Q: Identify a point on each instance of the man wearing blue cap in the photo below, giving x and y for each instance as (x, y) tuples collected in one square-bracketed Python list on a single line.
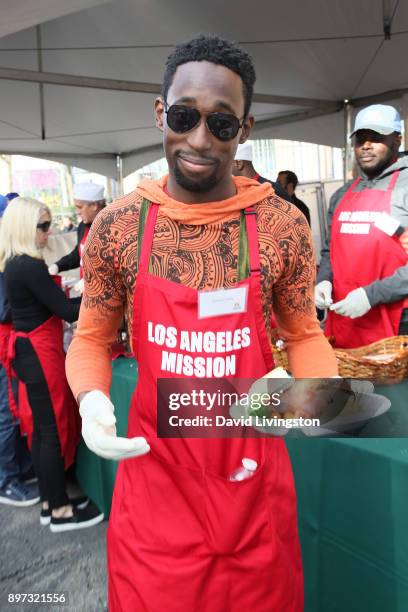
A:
[(363, 276)]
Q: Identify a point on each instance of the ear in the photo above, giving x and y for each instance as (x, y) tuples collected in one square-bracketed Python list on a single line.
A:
[(397, 142), (246, 128), (239, 164), (159, 113)]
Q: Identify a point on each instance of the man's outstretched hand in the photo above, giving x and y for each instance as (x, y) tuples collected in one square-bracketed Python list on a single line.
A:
[(99, 430)]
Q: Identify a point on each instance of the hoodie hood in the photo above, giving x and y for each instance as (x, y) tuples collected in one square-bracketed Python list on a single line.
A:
[(400, 164), (249, 192)]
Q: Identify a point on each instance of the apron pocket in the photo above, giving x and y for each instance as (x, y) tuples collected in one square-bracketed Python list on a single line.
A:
[(236, 515), (163, 504)]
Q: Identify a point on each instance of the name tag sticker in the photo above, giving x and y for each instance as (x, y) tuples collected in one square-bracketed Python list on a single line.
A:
[(387, 224), (222, 302)]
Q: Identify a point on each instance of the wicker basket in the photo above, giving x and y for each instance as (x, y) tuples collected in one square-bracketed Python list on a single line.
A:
[(385, 361)]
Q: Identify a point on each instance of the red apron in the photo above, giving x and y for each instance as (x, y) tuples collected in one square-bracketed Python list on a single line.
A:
[(81, 247), (22, 412), (46, 340), (5, 330), (181, 536), (360, 254)]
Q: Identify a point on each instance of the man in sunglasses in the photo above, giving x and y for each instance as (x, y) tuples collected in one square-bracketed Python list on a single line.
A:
[(363, 276), (197, 259), (89, 201)]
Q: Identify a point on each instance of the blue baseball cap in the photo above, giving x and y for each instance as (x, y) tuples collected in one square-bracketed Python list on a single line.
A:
[(379, 118), (3, 204)]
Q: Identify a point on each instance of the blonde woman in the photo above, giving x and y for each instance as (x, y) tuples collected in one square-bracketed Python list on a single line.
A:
[(16, 485), (38, 307)]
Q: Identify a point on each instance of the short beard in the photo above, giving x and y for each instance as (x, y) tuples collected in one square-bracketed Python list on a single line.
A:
[(383, 163), (196, 187), (380, 166)]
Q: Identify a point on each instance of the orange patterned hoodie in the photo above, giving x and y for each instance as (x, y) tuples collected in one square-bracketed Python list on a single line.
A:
[(197, 245)]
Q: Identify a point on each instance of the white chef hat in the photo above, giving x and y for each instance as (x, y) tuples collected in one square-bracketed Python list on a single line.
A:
[(88, 192), (244, 151)]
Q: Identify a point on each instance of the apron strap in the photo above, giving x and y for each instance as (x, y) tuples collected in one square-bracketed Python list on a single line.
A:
[(144, 209), (250, 218), (147, 221), (393, 180), (353, 184), (243, 258), (11, 349)]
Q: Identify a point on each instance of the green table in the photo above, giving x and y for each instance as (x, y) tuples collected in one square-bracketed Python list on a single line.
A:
[(95, 475), (352, 504)]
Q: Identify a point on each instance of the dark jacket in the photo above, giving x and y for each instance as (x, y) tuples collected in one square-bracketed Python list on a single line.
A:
[(277, 187), (72, 260), (5, 312), (302, 207)]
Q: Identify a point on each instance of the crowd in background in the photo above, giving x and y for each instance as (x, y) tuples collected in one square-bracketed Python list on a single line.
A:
[(39, 426), (39, 420)]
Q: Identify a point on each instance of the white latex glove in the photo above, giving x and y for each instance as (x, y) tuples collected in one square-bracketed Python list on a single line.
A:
[(323, 294), (79, 286), (99, 430), (53, 269), (354, 305)]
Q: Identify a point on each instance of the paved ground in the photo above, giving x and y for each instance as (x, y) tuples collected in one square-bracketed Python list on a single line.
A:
[(34, 560)]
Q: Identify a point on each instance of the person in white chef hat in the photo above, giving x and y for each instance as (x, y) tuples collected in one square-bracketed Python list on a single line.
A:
[(243, 166), (89, 199)]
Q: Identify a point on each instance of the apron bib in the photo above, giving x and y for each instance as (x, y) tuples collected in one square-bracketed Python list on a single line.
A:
[(182, 537), (360, 254)]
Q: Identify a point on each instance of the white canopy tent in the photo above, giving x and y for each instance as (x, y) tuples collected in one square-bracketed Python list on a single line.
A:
[(78, 78)]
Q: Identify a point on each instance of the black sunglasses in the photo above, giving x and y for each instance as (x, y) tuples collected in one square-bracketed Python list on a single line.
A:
[(182, 119), (44, 226)]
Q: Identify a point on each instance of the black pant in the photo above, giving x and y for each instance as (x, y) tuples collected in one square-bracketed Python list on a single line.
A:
[(46, 449)]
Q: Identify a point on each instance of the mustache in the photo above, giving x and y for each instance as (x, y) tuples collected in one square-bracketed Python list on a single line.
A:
[(194, 156)]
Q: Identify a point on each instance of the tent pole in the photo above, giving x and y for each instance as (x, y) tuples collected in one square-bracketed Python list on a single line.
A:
[(41, 85), (119, 166), (404, 118), (347, 146)]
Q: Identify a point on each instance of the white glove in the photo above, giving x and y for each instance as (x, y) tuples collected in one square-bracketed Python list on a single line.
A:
[(354, 305), (99, 430), (53, 269), (79, 286), (323, 294)]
